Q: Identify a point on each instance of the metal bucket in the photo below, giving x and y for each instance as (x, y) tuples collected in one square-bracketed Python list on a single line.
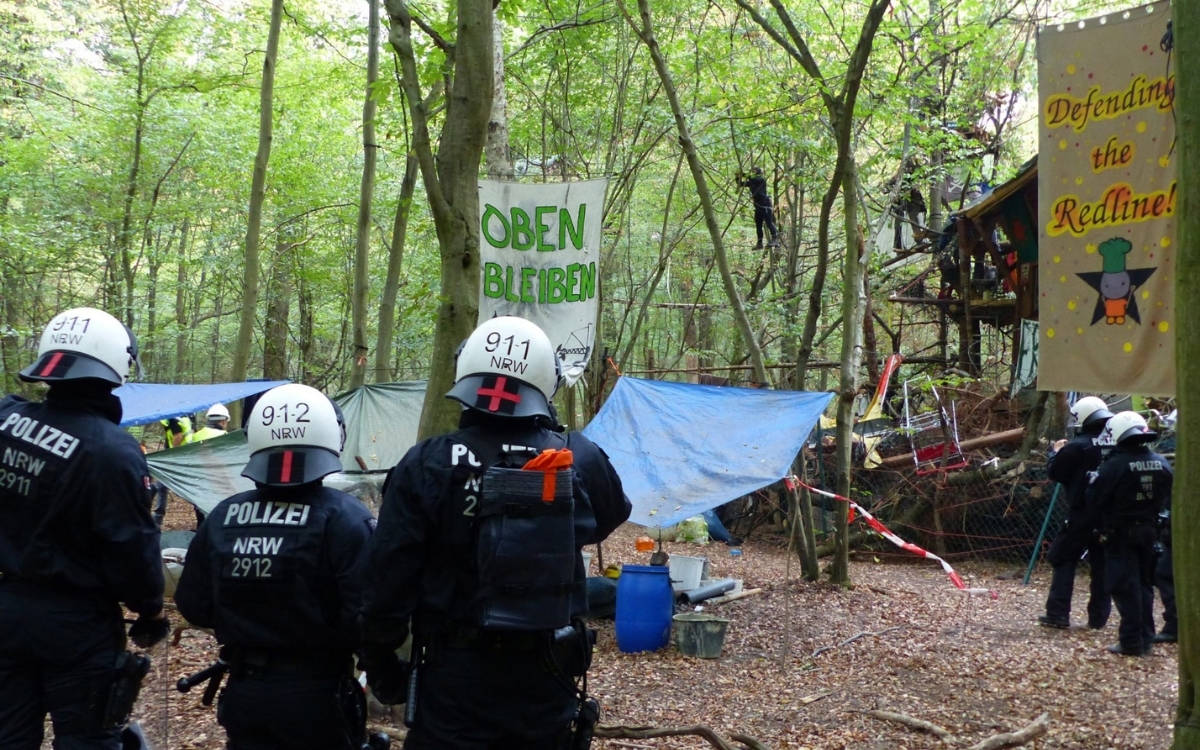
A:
[(700, 634)]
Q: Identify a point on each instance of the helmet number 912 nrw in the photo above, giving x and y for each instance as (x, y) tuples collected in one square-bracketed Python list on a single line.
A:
[(297, 412), (494, 340)]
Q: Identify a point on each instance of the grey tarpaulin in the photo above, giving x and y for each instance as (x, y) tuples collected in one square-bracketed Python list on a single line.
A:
[(381, 424)]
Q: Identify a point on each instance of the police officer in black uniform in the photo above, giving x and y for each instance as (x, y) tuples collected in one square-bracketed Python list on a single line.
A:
[(1069, 464), (487, 565), (1129, 490), (1164, 581), (277, 573), (76, 540)]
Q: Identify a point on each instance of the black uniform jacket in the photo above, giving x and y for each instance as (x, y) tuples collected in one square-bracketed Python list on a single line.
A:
[(758, 191), (1132, 485), (1070, 466), (75, 502), (279, 569), (422, 558)]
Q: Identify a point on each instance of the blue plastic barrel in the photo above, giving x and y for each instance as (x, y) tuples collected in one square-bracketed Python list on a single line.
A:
[(644, 608)]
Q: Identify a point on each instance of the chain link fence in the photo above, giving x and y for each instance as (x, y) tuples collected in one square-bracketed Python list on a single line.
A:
[(962, 514), (997, 509)]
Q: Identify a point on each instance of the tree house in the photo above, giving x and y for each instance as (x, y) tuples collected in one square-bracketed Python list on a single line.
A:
[(982, 279)]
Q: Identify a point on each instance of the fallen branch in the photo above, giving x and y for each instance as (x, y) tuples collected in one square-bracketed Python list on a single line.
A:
[(749, 742), (1014, 435), (855, 637), (1037, 728), (734, 597), (909, 721), (644, 733)]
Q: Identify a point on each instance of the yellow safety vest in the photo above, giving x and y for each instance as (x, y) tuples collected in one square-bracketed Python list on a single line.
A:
[(204, 433)]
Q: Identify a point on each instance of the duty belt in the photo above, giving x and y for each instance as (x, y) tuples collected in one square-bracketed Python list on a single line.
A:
[(482, 639), (254, 662)]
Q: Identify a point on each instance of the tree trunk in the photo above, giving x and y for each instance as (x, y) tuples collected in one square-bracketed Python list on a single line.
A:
[(362, 244), (258, 185), (496, 153), (807, 545), (451, 185), (181, 310), (1185, 515), (279, 296), (391, 284), (853, 305), (10, 339), (646, 33), (793, 274), (149, 342), (840, 109), (870, 338), (304, 308)]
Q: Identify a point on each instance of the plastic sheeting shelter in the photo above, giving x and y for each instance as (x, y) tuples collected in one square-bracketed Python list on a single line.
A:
[(143, 403), (682, 449), (381, 425)]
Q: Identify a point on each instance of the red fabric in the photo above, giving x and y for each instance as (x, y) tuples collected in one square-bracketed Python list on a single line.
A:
[(285, 468)]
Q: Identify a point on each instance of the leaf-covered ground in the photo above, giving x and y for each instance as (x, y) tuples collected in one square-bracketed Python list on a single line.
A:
[(803, 663)]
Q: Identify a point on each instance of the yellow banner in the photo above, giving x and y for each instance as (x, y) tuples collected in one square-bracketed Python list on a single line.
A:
[(1106, 204)]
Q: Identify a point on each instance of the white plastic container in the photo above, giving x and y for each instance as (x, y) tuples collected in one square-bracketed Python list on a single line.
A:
[(685, 572)]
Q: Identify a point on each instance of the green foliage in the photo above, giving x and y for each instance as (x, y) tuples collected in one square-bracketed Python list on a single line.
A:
[(583, 102)]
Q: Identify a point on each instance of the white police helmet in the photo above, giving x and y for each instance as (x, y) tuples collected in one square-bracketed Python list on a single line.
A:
[(216, 413), (507, 367), (83, 343), (1090, 413), (293, 436), (1127, 428)]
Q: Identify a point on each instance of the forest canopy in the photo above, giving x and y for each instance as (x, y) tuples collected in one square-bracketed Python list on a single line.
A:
[(130, 129)]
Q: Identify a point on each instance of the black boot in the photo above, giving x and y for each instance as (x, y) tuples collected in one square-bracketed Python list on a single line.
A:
[(1117, 648), (1061, 623)]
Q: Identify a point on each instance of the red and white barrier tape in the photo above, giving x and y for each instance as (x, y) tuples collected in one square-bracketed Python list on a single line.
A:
[(793, 481)]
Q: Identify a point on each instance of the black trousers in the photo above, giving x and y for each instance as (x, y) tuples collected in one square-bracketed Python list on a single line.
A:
[(1130, 576), (1164, 581), (490, 699), (1064, 554), (58, 653), (269, 710), (159, 491), (765, 216)]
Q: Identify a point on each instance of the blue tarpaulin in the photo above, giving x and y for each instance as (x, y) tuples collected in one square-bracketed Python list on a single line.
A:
[(143, 403), (681, 449)]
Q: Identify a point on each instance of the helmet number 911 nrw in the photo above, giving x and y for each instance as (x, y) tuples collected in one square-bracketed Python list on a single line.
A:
[(494, 340), (72, 321), (297, 412)]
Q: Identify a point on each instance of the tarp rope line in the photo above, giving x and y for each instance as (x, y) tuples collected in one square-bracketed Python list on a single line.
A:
[(793, 481)]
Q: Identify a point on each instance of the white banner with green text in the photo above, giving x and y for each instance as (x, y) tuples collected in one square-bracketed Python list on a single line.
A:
[(539, 256)]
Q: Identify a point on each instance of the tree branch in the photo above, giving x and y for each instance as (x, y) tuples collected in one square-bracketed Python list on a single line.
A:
[(909, 721), (59, 94), (1037, 728), (699, 730)]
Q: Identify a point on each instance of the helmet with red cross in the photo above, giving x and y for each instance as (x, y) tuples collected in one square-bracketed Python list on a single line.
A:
[(506, 367)]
